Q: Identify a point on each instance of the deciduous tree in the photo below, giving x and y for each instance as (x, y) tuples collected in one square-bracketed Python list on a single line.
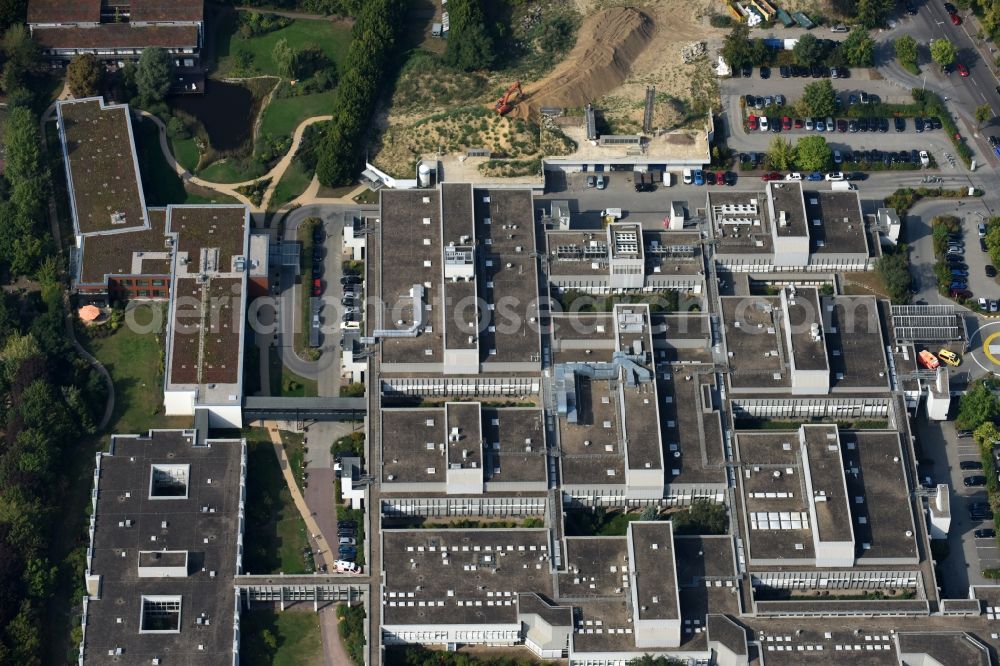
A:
[(943, 52), (470, 42), (813, 154), (906, 49), (780, 154), (153, 75), (977, 406), (83, 75), (808, 51), (859, 48), (818, 98)]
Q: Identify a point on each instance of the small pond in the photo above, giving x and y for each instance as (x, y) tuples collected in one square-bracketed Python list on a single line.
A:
[(225, 109)]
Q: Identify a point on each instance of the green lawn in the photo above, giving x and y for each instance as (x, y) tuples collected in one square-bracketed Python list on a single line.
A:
[(284, 114), (295, 635), (224, 171), (293, 183), (332, 37), (275, 532), (186, 153), (134, 361)]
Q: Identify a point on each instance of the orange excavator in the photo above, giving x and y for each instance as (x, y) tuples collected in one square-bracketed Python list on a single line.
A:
[(505, 103)]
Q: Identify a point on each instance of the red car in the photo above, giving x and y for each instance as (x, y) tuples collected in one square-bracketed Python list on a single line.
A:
[(798, 123), (317, 287), (752, 122), (962, 69), (786, 123), (773, 175), (720, 178), (956, 19)]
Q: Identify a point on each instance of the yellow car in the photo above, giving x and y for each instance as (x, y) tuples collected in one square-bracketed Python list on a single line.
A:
[(949, 357)]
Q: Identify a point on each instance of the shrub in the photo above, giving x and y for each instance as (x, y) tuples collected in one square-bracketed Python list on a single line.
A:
[(720, 21)]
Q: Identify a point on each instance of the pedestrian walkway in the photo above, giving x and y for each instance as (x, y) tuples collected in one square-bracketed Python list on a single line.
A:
[(321, 549)]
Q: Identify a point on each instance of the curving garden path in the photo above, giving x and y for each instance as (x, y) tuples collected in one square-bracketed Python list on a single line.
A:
[(229, 189)]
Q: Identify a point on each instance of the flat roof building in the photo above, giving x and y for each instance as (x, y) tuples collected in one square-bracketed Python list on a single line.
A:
[(786, 228), (199, 257), (116, 30), (165, 544)]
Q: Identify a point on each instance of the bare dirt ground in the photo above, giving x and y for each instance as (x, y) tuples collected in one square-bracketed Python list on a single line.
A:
[(607, 44)]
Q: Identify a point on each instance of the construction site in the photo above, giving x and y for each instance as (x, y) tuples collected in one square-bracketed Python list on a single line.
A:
[(635, 91)]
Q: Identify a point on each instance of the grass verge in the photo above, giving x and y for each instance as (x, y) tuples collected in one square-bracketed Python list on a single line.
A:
[(289, 638), (225, 171), (296, 452), (286, 383), (276, 535)]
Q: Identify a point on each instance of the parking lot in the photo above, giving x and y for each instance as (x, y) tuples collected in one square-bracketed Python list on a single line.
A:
[(741, 140), (942, 454)]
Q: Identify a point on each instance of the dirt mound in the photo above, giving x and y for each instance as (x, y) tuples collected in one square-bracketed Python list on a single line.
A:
[(606, 45)]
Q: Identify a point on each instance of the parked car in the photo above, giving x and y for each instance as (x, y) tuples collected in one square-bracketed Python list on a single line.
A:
[(950, 8), (982, 245), (965, 434), (900, 123), (765, 72), (994, 305), (730, 178), (794, 176), (785, 71), (343, 566), (986, 533), (970, 465), (814, 176), (819, 125), (835, 177), (852, 125), (841, 125), (762, 121), (602, 182), (709, 177), (918, 124), (699, 177), (591, 181), (974, 481), (797, 123), (982, 230), (949, 357), (688, 178), (347, 541), (837, 157), (925, 159), (809, 124), (956, 19), (962, 69), (779, 100), (772, 175), (786, 123), (350, 279), (960, 293), (317, 287), (990, 271)]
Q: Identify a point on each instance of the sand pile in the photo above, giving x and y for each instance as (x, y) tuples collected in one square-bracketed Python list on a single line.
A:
[(606, 45)]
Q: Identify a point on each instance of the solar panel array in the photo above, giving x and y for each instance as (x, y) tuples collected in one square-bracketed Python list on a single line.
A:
[(914, 323)]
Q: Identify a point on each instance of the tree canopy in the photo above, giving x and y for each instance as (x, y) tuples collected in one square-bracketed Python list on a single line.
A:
[(977, 406), (906, 49), (818, 99), (153, 75), (365, 68), (470, 42), (780, 154), (809, 51), (894, 270), (737, 48), (84, 75), (813, 154), (872, 13), (943, 52), (859, 48)]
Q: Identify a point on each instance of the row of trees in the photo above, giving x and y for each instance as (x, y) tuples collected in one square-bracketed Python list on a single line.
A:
[(366, 68), (857, 50), (148, 81)]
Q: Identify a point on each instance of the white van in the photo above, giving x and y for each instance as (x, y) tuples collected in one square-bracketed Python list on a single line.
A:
[(668, 179), (688, 178)]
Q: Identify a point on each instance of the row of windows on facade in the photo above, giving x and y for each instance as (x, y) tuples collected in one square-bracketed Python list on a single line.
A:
[(127, 282)]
